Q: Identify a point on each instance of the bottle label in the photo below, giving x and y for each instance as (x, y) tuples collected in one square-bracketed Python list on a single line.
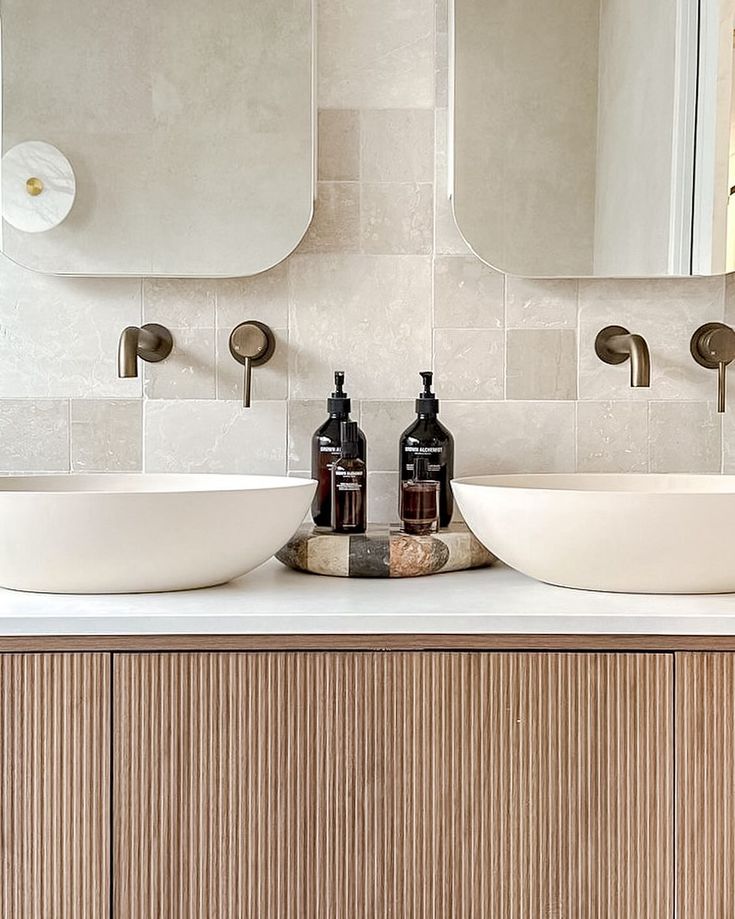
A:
[(328, 448), (430, 451), (348, 480)]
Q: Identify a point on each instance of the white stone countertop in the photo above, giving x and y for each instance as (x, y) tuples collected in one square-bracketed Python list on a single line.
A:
[(274, 600)]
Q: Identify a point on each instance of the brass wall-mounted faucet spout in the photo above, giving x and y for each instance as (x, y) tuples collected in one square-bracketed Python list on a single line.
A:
[(615, 345), (150, 343)]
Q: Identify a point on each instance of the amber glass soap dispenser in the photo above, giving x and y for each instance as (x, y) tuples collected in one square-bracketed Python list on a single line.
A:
[(428, 437), (325, 448), (349, 484)]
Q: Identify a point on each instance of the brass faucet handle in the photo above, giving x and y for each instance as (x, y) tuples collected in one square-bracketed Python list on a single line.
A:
[(713, 347), (252, 344)]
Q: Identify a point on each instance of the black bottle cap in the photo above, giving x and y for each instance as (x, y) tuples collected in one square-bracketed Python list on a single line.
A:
[(349, 437), (420, 468), (427, 403), (339, 402)]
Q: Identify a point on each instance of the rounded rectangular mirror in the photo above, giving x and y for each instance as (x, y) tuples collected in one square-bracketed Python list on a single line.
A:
[(153, 137), (593, 137)]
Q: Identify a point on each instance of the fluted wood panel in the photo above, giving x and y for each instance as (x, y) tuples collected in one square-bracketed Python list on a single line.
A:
[(54, 786), (705, 705), (406, 785)]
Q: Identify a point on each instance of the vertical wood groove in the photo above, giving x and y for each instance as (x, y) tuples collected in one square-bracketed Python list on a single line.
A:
[(408, 785), (54, 786), (705, 696)]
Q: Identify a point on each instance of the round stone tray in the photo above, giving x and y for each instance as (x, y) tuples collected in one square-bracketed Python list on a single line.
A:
[(384, 552)]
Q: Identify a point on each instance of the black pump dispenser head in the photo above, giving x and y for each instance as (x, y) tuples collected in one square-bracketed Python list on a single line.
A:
[(421, 468), (427, 403), (350, 439), (339, 403)]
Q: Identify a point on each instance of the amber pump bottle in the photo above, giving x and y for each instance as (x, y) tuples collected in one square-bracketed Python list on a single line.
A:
[(428, 437), (325, 448), (349, 484)]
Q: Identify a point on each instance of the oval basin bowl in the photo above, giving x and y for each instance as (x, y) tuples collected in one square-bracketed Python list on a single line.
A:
[(624, 533), (138, 533)]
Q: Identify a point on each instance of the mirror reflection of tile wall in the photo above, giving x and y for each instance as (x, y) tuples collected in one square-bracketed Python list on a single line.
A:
[(381, 286)]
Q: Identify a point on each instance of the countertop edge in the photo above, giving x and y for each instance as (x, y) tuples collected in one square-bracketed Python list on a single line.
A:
[(364, 642)]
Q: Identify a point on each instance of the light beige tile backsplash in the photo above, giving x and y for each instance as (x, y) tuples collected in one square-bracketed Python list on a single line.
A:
[(382, 286)]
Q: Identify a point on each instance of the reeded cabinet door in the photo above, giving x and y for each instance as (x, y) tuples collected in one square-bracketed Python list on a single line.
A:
[(54, 786), (705, 743), (404, 785)]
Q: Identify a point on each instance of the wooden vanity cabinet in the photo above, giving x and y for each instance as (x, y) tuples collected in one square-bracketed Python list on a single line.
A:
[(705, 769), (370, 784), (414, 785), (54, 786)]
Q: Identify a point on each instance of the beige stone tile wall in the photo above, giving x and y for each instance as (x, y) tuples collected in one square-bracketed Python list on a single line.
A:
[(382, 287)]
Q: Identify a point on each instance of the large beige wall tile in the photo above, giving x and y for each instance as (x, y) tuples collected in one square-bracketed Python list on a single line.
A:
[(368, 316), (383, 423), (685, 437), (541, 364), (510, 437), (215, 436), (397, 145), (263, 297), (548, 304), (376, 55), (34, 435), (58, 336), (339, 145), (179, 303), (106, 435), (612, 437), (382, 497), (396, 219), (336, 223), (469, 363), (666, 312), (188, 372), (304, 417), (467, 294)]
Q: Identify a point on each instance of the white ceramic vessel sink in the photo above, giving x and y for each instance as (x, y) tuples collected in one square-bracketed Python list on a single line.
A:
[(626, 533), (138, 533)]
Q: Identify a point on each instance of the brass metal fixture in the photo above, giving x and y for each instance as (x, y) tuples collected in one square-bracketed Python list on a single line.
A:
[(34, 186), (252, 344), (615, 345), (713, 347), (151, 342)]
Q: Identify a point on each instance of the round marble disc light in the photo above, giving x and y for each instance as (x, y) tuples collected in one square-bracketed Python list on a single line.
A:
[(38, 186)]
